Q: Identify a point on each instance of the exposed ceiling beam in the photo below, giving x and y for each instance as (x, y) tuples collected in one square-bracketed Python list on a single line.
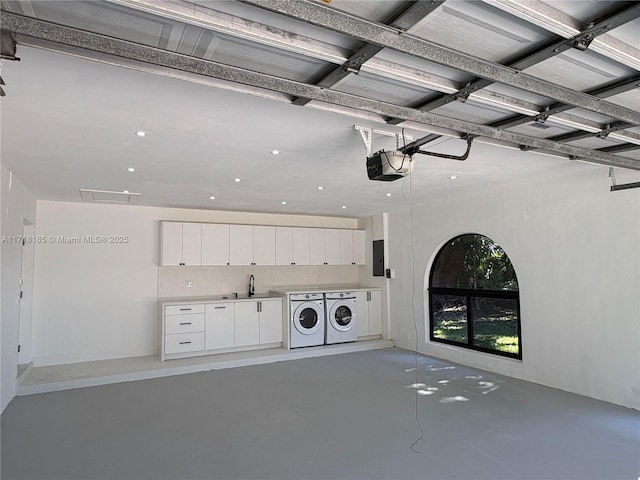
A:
[(402, 20), (625, 147), (179, 10), (615, 88), (393, 38), (540, 54), (39, 29), (603, 133), (209, 19), (553, 20)]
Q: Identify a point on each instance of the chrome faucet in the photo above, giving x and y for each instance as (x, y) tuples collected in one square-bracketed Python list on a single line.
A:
[(252, 288)]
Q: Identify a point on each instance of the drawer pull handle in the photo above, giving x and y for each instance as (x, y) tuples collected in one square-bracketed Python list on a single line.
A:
[(185, 323), (184, 343), (219, 307), (185, 309)]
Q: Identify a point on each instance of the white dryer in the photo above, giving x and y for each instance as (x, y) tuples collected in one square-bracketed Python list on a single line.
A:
[(307, 320), (342, 315)]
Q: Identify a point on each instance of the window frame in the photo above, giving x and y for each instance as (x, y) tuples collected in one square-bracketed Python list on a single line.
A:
[(469, 294)]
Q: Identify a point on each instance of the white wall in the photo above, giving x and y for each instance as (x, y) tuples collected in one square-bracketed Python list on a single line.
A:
[(99, 301), (576, 250), (17, 206)]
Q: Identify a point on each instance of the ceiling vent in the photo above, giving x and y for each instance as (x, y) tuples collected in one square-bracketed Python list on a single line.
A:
[(107, 196)]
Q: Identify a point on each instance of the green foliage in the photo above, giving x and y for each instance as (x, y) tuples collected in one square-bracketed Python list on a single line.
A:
[(474, 261), (495, 325)]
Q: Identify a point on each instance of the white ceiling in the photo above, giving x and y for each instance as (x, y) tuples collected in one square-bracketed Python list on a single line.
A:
[(69, 123)]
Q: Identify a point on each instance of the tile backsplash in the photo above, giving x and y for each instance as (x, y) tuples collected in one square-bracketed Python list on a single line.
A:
[(174, 281)]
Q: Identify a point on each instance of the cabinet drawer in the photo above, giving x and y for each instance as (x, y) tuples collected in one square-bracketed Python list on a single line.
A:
[(183, 309), (183, 342), (191, 322)]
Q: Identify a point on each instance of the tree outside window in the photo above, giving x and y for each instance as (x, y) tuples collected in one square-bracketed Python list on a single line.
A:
[(474, 297)]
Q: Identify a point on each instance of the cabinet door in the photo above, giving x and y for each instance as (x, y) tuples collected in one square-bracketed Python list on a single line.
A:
[(219, 326), (171, 241), (264, 245), (215, 244), (270, 321), (316, 246), (240, 244), (284, 246), (358, 244), (247, 325), (300, 250), (362, 323), (192, 244), (346, 247), (375, 312), (184, 343), (332, 247)]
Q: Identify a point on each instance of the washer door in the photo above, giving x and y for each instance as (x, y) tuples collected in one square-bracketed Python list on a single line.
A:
[(307, 318), (343, 315)]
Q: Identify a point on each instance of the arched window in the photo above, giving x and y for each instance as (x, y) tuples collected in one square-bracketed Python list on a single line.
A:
[(473, 297)]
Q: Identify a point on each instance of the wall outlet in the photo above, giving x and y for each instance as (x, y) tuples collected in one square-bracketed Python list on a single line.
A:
[(188, 284)]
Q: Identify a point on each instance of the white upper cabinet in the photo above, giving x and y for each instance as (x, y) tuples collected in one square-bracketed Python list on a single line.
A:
[(181, 243), (222, 244), (346, 247), (352, 247), (329, 246), (316, 246), (171, 250), (215, 244), (192, 244), (332, 247), (284, 246), (252, 245), (300, 249), (292, 246), (264, 245), (240, 244), (358, 244)]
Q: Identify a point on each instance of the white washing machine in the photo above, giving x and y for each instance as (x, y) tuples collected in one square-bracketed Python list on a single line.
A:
[(307, 320), (342, 315)]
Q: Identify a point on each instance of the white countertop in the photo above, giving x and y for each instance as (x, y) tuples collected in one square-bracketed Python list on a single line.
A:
[(321, 289), (216, 299)]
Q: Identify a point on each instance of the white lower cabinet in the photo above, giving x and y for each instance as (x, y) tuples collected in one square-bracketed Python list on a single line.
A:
[(183, 343), (258, 322), (247, 324), (183, 329), (270, 321), (369, 313), (219, 329), (199, 329)]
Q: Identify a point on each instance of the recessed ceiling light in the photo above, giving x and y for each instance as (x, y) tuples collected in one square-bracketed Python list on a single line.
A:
[(283, 203), (237, 180), (453, 177), (131, 169), (212, 197), (344, 206), (140, 133), (275, 152), (320, 188), (388, 194)]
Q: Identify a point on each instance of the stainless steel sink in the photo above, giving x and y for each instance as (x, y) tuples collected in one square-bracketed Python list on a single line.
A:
[(242, 296)]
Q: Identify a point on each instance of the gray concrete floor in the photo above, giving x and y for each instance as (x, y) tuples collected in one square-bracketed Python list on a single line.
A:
[(348, 416)]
